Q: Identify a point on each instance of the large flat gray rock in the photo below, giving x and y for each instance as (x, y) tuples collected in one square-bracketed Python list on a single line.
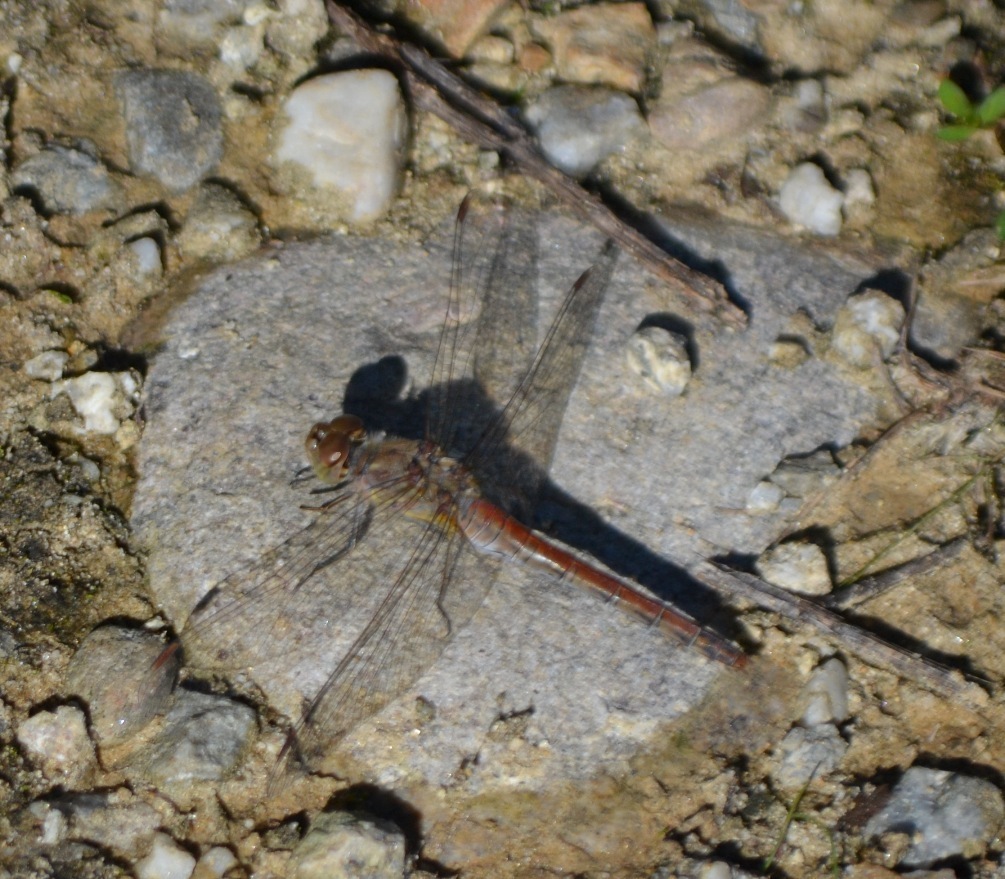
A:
[(265, 348)]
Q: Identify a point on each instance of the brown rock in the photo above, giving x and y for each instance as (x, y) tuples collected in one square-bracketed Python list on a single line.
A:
[(455, 23), (605, 44)]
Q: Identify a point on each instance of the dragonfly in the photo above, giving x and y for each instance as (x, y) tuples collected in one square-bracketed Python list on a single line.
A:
[(409, 534)]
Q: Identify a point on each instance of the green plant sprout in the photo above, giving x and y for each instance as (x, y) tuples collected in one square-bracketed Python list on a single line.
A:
[(969, 118), (793, 814)]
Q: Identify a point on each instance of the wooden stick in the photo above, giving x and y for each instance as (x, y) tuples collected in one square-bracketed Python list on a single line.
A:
[(479, 119)]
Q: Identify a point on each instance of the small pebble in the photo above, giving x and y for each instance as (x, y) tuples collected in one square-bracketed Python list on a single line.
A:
[(712, 114), (53, 822), (167, 860), (866, 325), (340, 144), (765, 497), (609, 44), (804, 475), (214, 863), (148, 255), (825, 695), (114, 672), (715, 870), (100, 398), (202, 739), (456, 25), (68, 181), (184, 26), (218, 227), (173, 130), (788, 353), (293, 28), (808, 754), (578, 127), (58, 743), (242, 46), (116, 820), (810, 111), (797, 566), (807, 199), (47, 366), (859, 193), (340, 844), (661, 358), (946, 815)]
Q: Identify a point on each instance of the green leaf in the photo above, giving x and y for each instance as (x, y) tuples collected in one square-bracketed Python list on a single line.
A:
[(992, 108), (1000, 225), (954, 99), (955, 132)]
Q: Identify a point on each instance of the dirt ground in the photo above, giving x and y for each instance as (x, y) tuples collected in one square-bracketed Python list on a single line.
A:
[(925, 475)]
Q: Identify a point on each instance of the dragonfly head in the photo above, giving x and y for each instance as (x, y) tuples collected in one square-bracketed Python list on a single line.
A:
[(329, 445)]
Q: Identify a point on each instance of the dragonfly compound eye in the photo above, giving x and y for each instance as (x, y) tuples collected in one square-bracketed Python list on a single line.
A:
[(329, 443)]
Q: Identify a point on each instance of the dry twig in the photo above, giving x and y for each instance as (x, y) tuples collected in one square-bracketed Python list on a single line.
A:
[(868, 647), (477, 118)]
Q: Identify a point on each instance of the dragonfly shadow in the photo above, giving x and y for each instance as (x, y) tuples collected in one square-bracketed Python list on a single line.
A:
[(562, 516), (460, 417), (511, 479)]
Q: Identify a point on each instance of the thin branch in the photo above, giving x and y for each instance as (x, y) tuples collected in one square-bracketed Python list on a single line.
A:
[(868, 647), (479, 119), (869, 587)]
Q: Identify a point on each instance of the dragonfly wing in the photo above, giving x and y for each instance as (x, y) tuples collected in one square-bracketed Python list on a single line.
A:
[(493, 274), (236, 624), (436, 593), (530, 422), (506, 338)]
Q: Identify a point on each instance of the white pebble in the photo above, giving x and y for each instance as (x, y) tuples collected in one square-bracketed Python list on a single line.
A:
[(807, 199), (796, 566), (660, 357), (48, 365), (53, 827), (94, 396), (715, 870), (343, 136), (858, 189), (765, 497), (148, 255), (809, 94), (256, 13), (825, 695), (806, 754), (867, 324), (59, 743), (241, 47), (214, 863), (166, 860)]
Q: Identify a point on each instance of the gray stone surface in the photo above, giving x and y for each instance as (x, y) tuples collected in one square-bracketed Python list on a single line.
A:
[(945, 813), (173, 125), (268, 347), (67, 180), (341, 845), (115, 820), (115, 672), (808, 754), (580, 127), (203, 739)]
